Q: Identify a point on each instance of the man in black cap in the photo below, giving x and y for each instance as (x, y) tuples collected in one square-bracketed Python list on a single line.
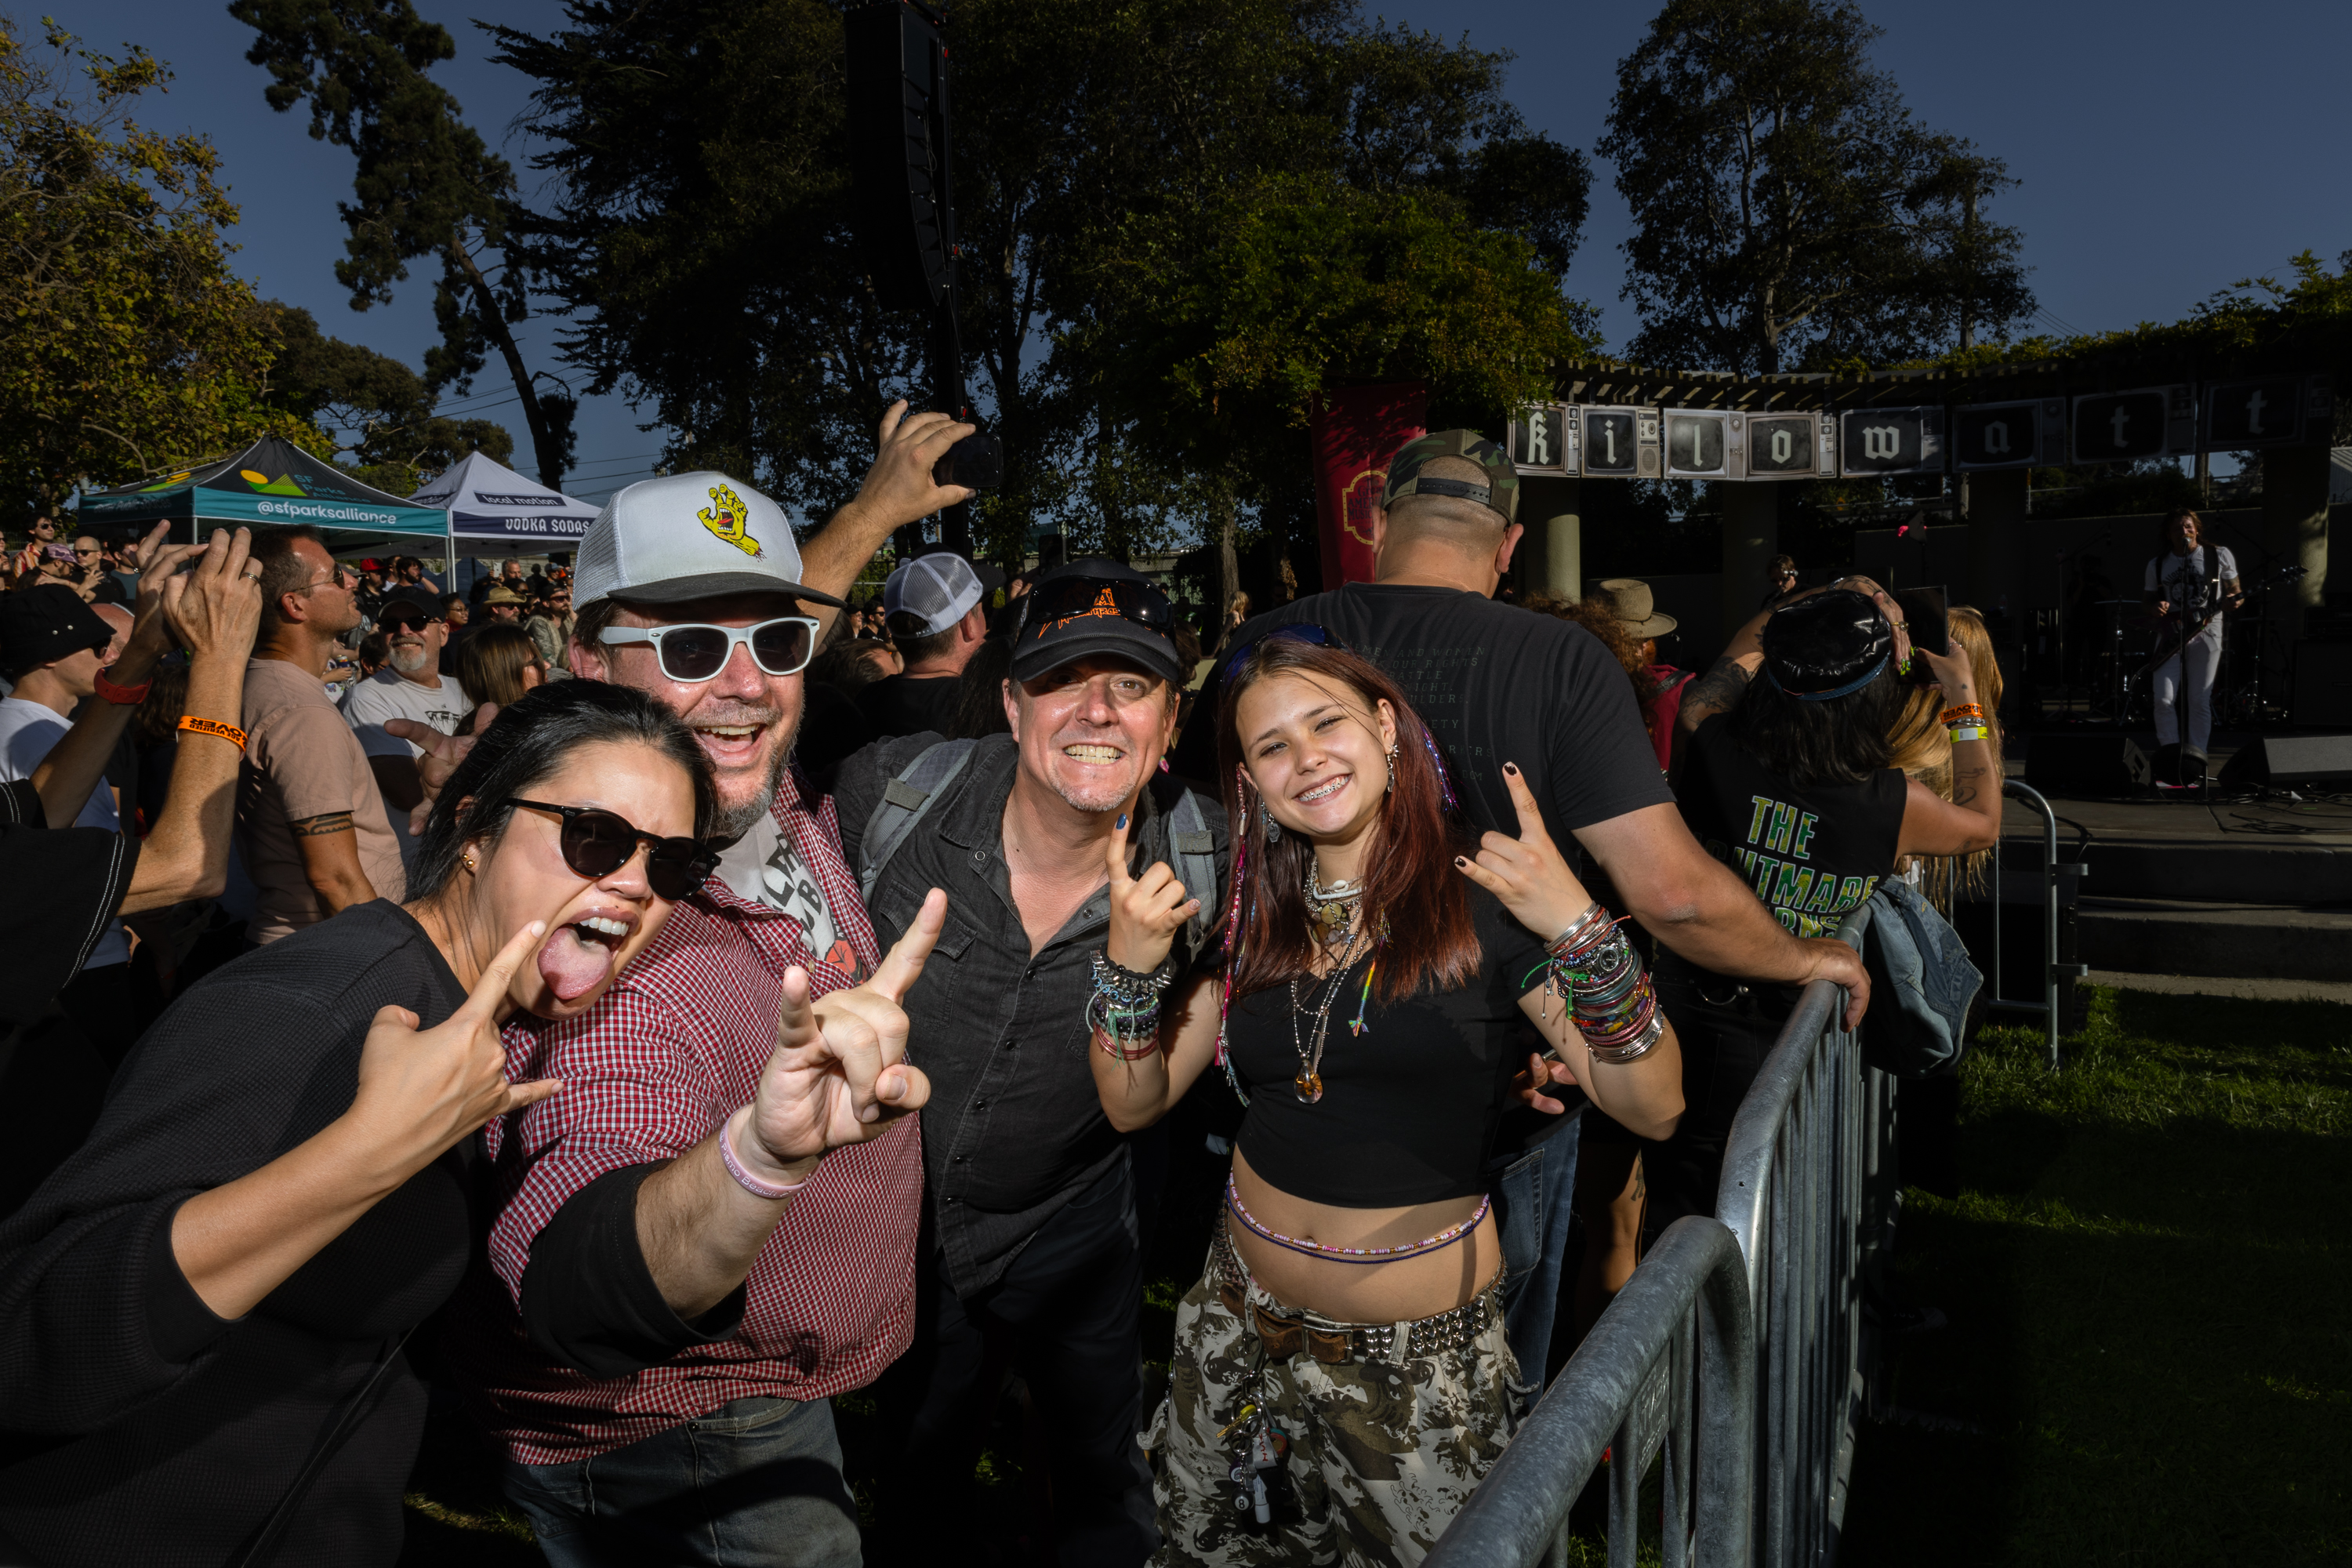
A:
[(1031, 1238)]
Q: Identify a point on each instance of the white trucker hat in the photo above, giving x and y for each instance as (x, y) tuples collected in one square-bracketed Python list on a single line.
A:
[(688, 536), (939, 589)]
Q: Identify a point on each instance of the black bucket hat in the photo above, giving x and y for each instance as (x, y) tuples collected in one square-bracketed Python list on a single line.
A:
[(1826, 646)]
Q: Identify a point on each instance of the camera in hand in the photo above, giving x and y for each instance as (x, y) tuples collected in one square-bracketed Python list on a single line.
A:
[(976, 462)]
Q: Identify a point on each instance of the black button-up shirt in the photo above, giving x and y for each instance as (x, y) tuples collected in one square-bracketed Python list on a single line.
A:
[(1014, 1129)]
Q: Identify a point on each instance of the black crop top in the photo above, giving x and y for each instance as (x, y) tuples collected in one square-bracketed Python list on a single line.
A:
[(1409, 1106)]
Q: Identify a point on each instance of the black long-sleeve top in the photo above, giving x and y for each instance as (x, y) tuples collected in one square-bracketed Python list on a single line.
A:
[(136, 1426)]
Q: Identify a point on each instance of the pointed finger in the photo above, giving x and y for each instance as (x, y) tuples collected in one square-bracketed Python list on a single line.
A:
[(1115, 850), (522, 1096), (903, 964), (795, 1017), (1531, 822), (890, 417), (489, 992)]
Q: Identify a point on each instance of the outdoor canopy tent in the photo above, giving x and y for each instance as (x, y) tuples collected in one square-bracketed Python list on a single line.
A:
[(271, 484), (490, 503)]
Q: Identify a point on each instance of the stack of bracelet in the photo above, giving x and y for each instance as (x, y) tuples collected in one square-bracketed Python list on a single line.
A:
[(1967, 721), (1596, 972), (1124, 1010)]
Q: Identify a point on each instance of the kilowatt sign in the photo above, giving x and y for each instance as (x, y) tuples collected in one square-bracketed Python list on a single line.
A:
[(2125, 427), (1620, 443), (1877, 441), (2274, 411), (2009, 434), (1705, 444), (1543, 440)]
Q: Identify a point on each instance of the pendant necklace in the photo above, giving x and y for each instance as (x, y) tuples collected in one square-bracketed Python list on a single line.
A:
[(1308, 1084)]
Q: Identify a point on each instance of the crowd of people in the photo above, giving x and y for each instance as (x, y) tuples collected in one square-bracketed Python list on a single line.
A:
[(651, 1000)]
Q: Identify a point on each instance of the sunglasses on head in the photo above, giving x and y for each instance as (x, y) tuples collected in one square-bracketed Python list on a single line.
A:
[(692, 652), (1295, 631), (596, 843), (1051, 605)]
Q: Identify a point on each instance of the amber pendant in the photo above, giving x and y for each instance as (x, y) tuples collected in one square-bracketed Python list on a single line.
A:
[(1309, 1085)]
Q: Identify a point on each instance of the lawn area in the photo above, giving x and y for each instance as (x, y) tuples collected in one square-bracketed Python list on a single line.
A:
[(2149, 1276), (2150, 1296)]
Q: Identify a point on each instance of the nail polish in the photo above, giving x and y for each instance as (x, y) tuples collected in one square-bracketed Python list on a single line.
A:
[(1121, 823)]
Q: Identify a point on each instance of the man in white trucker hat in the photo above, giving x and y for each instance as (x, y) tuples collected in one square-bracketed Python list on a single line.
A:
[(936, 606), (683, 1277)]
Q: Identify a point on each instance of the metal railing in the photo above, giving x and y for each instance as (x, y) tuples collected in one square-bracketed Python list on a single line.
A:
[(2054, 974), (1671, 1365), (1808, 1188), (1739, 1346)]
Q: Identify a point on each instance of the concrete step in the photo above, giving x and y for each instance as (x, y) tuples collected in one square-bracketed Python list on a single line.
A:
[(2233, 872), (2245, 939)]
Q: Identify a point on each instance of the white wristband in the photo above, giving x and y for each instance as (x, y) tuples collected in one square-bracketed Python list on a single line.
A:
[(743, 1178)]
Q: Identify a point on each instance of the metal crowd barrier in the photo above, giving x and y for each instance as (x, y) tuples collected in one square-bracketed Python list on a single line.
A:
[(1672, 1365), (2054, 974), (1739, 1346)]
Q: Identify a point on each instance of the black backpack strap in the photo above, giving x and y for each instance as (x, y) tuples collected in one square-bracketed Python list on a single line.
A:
[(264, 1550), (906, 800)]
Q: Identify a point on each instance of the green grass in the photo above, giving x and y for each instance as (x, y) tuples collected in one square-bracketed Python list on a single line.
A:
[(2150, 1300)]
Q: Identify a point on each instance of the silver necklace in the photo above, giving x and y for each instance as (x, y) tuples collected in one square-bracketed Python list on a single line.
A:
[(1308, 1084), (1332, 909)]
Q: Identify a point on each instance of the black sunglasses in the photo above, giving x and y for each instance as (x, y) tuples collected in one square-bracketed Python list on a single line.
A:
[(1297, 631), (1053, 605), (597, 843), (406, 621)]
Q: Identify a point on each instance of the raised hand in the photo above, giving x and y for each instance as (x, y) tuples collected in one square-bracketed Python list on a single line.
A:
[(839, 1073), (442, 755), (1146, 912), (422, 1090), (215, 607), (150, 628), (898, 486), (1527, 873)]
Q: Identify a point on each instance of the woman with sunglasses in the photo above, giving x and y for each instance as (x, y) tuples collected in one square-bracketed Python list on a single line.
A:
[(1342, 1377), (202, 1312)]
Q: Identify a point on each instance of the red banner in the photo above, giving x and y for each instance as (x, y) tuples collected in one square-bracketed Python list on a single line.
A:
[(1355, 436)]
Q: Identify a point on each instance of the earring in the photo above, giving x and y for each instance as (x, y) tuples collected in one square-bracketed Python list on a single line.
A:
[(1273, 828), (1392, 751), (468, 856)]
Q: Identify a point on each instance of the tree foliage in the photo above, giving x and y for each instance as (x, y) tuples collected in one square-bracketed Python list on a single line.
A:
[(710, 270), (126, 343), (1790, 212), (426, 185), (376, 411)]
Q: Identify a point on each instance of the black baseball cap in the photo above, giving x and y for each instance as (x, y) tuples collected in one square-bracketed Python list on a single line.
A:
[(47, 621), (1095, 605)]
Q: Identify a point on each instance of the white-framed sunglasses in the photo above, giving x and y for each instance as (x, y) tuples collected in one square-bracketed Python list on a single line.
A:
[(693, 652)]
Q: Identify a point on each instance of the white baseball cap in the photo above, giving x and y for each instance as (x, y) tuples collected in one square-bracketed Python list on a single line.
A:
[(939, 589), (688, 536)]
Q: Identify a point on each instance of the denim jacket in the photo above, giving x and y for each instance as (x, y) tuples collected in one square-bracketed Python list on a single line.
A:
[(1921, 984)]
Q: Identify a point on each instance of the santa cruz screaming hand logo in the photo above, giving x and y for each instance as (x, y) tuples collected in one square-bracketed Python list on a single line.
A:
[(725, 517)]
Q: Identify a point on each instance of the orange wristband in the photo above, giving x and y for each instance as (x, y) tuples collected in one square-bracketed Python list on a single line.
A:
[(197, 726)]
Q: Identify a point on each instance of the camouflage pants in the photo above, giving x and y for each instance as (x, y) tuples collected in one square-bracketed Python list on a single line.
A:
[(1383, 1451)]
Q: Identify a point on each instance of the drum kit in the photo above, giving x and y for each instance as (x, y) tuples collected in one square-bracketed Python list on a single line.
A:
[(2250, 690)]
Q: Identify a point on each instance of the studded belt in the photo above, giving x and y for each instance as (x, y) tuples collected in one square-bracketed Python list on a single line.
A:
[(1285, 1334)]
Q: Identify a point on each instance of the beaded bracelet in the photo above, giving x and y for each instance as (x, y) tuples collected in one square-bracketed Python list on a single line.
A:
[(1132, 1031)]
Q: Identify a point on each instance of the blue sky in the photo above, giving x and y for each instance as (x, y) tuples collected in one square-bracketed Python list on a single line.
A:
[(2165, 149)]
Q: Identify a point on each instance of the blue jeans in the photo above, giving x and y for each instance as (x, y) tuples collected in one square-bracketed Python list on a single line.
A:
[(1534, 1198), (754, 1484)]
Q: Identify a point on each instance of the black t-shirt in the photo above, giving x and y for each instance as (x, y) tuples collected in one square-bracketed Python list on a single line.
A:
[(1812, 854), (136, 1426), (1410, 1106), (1495, 684), (910, 704)]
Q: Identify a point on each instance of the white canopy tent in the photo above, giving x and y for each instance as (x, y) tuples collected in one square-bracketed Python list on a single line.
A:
[(491, 505)]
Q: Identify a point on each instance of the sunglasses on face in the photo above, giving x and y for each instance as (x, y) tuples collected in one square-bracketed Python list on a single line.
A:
[(1297, 631), (596, 843), (1066, 599), (694, 653), (404, 621)]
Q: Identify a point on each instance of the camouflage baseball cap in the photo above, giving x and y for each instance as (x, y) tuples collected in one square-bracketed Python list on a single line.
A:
[(1500, 493)]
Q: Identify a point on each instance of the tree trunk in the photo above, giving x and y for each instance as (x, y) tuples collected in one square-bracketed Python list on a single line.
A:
[(1229, 563), (494, 325)]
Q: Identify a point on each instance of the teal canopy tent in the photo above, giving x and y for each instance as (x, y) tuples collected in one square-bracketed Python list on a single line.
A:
[(272, 484)]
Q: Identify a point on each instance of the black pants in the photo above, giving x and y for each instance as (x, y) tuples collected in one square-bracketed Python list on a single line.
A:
[(1723, 1047), (1064, 1316)]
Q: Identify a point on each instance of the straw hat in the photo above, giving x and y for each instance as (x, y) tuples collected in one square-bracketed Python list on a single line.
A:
[(1628, 600)]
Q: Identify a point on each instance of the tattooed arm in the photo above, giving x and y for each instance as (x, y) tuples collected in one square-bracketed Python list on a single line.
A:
[(330, 859)]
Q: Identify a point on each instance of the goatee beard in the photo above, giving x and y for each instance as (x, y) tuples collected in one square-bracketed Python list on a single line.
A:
[(731, 822)]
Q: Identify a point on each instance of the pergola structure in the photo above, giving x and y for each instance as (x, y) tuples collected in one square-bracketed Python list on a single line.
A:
[(2296, 471)]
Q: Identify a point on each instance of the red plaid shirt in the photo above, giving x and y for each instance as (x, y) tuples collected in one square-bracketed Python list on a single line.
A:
[(675, 1047)]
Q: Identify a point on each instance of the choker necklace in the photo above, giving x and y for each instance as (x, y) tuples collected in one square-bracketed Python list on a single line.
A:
[(1332, 909)]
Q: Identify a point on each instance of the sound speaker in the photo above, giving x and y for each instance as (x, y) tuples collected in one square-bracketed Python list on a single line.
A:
[(2322, 685), (896, 87), (2322, 760), (2095, 763)]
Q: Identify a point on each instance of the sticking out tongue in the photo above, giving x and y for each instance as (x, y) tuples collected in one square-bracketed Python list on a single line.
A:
[(573, 963)]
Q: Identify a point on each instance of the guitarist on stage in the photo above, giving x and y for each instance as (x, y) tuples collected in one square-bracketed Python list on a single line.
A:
[(2189, 588)]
